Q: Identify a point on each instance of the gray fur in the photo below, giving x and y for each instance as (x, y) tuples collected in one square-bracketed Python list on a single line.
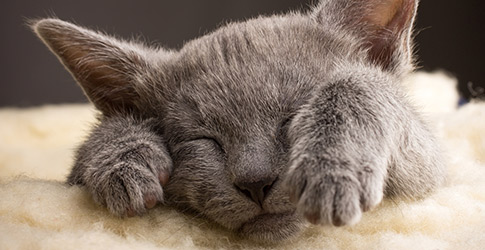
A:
[(260, 124)]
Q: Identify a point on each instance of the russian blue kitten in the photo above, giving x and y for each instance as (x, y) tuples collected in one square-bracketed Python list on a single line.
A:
[(258, 126)]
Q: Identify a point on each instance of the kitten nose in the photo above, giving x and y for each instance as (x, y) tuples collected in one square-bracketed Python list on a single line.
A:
[(256, 191)]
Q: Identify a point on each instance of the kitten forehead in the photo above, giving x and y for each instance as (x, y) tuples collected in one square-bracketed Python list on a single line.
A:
[(253, 72)]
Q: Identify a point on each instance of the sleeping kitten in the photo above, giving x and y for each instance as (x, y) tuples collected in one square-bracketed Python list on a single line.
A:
[(259, 125)]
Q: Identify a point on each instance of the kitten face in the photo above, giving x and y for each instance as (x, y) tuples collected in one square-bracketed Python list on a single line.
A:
[(232, 121), (225, 103)]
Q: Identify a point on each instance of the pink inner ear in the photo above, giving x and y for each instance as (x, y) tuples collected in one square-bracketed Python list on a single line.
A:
[(391, 15), (389, 22), (384, 12)]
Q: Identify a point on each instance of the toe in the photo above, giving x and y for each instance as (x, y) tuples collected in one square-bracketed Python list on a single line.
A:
[(312, 217), (163, 177), (150, 201), (130, 212)]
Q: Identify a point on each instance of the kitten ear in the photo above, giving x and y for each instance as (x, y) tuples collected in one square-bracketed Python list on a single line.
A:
[(384, 25), (107, 69)]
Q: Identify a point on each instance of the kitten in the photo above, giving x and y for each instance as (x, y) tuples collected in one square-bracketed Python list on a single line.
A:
[(258, 126)]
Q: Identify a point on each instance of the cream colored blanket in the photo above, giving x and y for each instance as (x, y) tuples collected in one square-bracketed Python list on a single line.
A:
[(38, 211)]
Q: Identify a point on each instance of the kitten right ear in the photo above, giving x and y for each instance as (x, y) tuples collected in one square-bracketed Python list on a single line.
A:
[(383, 25), (111, 72)]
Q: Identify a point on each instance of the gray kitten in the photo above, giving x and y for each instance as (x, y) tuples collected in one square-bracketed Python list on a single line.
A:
[(258, 125)]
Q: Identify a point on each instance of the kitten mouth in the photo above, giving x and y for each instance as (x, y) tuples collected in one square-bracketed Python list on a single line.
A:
[(272, 227)]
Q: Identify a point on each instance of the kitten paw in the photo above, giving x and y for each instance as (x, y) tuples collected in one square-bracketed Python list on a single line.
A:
[(132, 182), (326, 192), (129, 189)]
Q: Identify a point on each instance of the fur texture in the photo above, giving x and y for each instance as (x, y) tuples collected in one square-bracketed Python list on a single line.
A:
[(37, 150), (258, 125)]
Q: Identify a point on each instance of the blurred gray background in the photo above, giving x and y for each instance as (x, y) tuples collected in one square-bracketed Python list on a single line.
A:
[(451, 37)]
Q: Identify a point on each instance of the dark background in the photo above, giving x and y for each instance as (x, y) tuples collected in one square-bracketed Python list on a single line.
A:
[(450, 37)]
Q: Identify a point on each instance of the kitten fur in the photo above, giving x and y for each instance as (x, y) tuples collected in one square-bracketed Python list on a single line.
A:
[(260, 125)]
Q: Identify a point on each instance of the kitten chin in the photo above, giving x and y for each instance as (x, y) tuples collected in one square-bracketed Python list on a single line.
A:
[(272, 227)]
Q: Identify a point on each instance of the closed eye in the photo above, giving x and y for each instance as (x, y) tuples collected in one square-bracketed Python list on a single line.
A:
[(282, 133), (286, 122), (212, 140)]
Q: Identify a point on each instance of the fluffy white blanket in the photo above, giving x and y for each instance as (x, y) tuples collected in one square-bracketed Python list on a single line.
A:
[(38, 211)]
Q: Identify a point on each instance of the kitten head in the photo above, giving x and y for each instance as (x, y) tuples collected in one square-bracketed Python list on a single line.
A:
[(225, 101)]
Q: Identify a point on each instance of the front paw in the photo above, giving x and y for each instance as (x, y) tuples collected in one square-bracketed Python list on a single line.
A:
[(333, 191), (130, 182), (129, 189)]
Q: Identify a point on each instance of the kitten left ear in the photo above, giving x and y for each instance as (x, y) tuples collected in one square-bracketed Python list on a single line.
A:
[(384, 25), (111, 72)]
